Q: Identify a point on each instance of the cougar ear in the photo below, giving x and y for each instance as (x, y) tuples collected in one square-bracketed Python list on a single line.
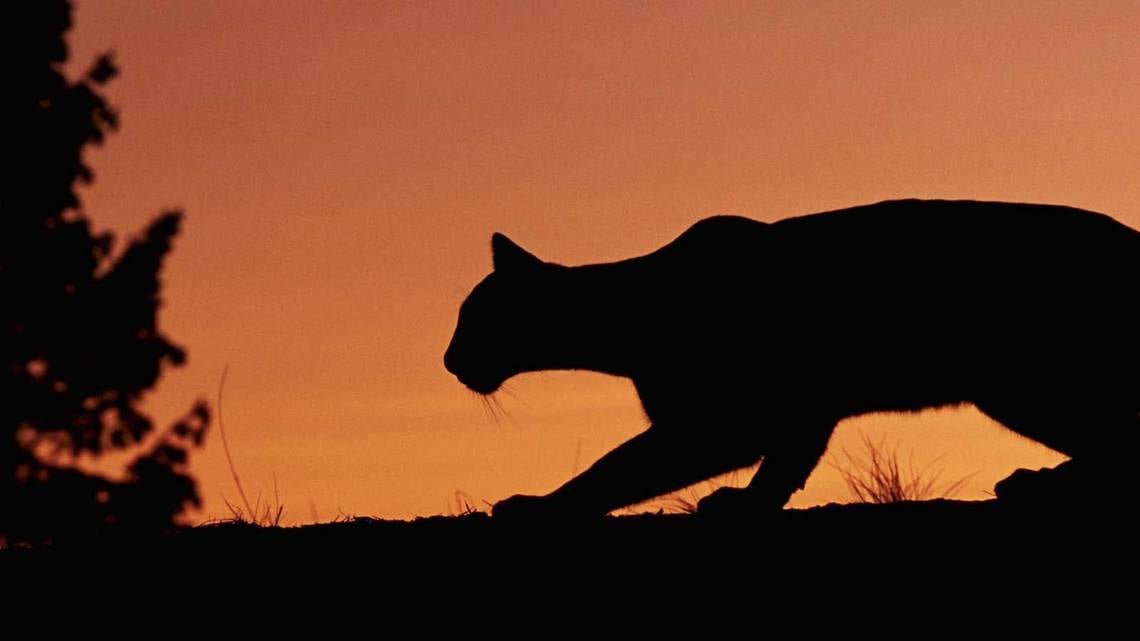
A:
[(507, 256)]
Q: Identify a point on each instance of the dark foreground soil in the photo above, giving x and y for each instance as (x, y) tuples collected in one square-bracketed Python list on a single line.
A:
[(920, 570), (987, 538)]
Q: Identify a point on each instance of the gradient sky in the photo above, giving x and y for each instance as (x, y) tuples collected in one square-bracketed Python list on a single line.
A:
[(343, 165)]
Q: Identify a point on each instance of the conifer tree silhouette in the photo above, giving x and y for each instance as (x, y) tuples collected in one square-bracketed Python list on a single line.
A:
[(79, 342)]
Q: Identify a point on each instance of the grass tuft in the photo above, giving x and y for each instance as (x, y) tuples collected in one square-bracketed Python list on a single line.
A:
[(878, 476)]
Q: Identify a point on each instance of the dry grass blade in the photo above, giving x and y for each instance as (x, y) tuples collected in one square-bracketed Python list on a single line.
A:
[(255, 513), (226, 448), (464, 505)]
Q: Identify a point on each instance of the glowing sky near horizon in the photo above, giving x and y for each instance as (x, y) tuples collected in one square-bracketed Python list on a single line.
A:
[(343, 165)]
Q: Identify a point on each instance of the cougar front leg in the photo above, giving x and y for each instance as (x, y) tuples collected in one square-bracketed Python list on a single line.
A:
[(660, 460), (785, 470)]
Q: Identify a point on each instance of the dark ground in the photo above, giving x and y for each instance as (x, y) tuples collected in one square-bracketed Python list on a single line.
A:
[(903, 569), (928, 536)]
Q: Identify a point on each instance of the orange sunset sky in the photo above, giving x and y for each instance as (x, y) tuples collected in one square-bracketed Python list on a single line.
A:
[(343, 165)]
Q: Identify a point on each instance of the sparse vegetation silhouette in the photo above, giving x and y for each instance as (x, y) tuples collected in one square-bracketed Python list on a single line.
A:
[(879, 476)]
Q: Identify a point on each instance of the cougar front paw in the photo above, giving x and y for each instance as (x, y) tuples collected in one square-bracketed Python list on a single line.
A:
[(733, 501), (522, 507), (724, 501), (1065, 483)]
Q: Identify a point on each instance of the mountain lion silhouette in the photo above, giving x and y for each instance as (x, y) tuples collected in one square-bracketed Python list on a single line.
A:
[(749, 341)]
